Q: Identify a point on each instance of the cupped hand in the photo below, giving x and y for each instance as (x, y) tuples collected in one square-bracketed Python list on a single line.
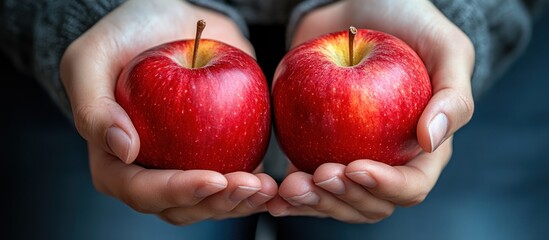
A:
[(89, 70), (366, 190)]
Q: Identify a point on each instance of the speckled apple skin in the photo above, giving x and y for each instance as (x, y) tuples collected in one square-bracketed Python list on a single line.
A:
[(214, 117), (328, 111)]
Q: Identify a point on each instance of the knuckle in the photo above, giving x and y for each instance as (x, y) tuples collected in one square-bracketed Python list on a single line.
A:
[(463, 105), (468, 104), (84, 119), (89, 117)]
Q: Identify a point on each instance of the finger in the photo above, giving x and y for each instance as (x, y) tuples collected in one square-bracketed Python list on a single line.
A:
[(150, 190), (269, 189), (240, 186), (278, 207), (283, 205), (331, 177), (447, 111), (405, 185), (299, 190), (256, 202)]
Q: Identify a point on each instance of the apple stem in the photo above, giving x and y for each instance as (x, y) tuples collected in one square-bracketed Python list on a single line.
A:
[(352, 33), (200, 25)]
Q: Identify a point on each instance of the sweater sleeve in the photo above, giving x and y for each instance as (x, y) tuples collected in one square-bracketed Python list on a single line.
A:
[(499, 30), (35, 34)]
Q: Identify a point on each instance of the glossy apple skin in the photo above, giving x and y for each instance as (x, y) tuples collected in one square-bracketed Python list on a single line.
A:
[(214, 117), (325, 111)]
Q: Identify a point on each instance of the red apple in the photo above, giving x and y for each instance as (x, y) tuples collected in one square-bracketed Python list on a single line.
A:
[(336, 99), (213, 116)]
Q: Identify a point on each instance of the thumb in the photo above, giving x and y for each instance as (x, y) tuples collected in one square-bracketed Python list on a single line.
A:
[(452, 105), (447, 111), (103, 122), (90, 85)]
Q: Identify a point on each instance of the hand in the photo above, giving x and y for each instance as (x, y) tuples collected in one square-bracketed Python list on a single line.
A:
[(367, 191), (89, 71), (364, 191)]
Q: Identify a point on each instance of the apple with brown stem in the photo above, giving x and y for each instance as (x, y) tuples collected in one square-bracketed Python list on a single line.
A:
[(197, 104), (349, 95)]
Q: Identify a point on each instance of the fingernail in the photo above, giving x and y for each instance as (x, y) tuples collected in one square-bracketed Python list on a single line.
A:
[(333, 185), (309, 198), (119, 143), (363, 178), (208, 189), (258, 198), (437, 130), (242, 192)]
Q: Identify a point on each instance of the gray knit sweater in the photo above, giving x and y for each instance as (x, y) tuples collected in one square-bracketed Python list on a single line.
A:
[(35, 33)]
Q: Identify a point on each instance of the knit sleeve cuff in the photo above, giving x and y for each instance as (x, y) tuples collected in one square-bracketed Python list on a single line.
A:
[(227, 11), (57, 26), (297, 14)]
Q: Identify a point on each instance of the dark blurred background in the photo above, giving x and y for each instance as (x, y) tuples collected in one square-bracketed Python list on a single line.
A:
[(495, 187)]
